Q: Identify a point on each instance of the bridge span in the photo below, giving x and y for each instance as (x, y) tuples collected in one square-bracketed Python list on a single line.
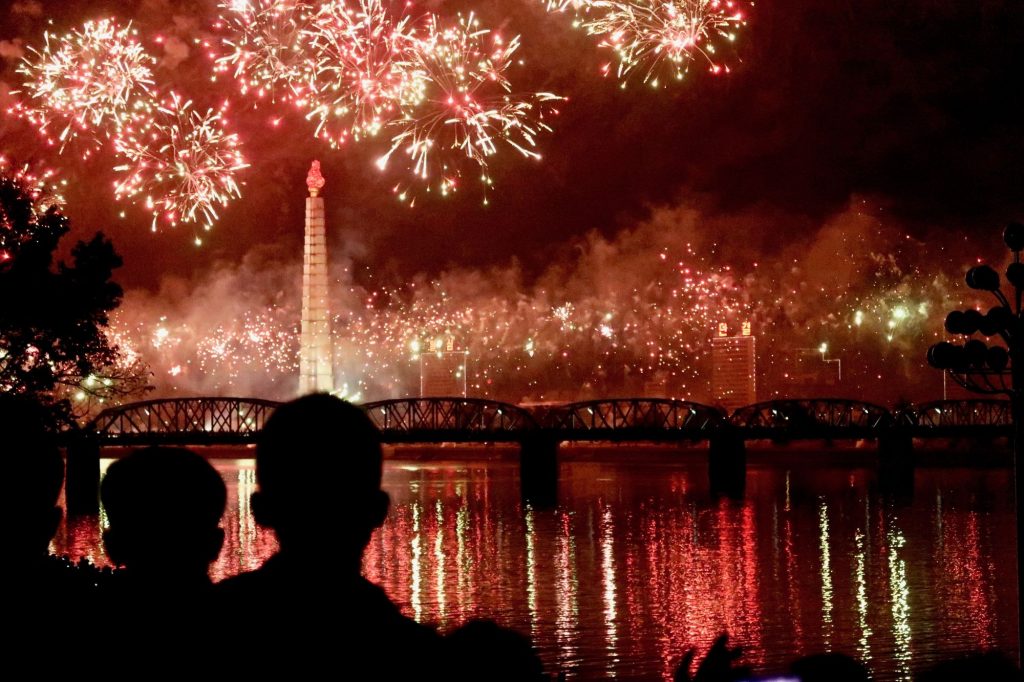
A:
[(238, 421), (228, 421)]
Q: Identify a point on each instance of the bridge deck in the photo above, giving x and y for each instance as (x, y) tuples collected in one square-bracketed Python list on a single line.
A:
[(227, 421)]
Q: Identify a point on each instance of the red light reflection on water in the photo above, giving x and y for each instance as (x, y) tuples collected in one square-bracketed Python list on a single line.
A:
[(639, 563)]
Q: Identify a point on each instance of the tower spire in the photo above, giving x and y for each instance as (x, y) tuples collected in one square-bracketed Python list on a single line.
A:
[(316, 362)]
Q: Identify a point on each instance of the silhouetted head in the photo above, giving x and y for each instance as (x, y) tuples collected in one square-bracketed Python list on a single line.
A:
[(33, 472), (829, 668), (164, 507), (483, 650), (318, 466)]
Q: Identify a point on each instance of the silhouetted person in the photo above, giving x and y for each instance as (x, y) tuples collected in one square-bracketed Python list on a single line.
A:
[(38, 589), (163, 507), (721, 664), (831, 667), (483, 650), (34, 474), (308, 608)]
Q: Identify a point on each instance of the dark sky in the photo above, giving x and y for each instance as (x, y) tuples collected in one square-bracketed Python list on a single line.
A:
[(915, 103)]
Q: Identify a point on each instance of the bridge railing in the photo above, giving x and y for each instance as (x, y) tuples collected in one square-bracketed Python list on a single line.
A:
[(195, 420), (624, 418), (456, 419), (811, 418), (959, 415), (430, 419)]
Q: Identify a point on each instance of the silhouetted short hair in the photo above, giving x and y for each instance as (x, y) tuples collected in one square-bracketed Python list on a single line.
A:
[(33, 466), (318, 441), (166, 487)]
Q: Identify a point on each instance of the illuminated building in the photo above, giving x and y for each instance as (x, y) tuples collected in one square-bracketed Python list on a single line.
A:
[(443, 372), (734, 367), (316, 362)]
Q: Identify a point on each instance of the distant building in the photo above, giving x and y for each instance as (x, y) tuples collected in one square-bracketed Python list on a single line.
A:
[(656, 386), (443, 373), (808, 373), (734, 367)]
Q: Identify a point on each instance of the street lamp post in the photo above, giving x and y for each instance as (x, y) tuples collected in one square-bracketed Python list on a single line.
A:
[(823, 349), (995, 369)]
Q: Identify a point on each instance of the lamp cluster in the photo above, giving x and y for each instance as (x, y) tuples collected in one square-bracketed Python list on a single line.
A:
[(976, 363)]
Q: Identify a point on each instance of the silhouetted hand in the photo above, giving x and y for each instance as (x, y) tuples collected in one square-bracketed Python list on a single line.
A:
[(717, 666)]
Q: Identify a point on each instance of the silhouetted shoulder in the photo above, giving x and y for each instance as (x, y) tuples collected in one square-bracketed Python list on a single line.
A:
[(307, 609), (305, 622), (283, 586), (484, 650)]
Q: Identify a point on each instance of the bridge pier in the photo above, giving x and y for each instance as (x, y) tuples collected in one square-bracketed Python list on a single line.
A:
[(82, 478), (727, 462), (896, 462), (538, 470)]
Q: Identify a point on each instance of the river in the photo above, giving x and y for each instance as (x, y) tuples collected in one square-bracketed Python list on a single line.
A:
[(639, 561)]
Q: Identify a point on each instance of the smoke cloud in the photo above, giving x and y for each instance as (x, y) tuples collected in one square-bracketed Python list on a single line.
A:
[(628, 314), (11, 49)]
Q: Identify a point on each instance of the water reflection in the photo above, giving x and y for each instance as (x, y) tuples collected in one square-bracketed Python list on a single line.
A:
[(860, 578), (900, 596), (640, 563), (606, 532), (826, 574)]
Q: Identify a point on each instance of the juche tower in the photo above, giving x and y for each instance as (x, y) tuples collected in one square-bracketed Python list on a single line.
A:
[(316, 362)]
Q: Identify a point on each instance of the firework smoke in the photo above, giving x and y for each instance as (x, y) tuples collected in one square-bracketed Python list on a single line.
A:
[(634, 315)]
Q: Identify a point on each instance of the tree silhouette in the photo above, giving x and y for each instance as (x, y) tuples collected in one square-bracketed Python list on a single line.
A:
[(53, 316)]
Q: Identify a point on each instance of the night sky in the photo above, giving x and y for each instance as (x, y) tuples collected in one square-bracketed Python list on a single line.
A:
[(911, 103), (832, 189)]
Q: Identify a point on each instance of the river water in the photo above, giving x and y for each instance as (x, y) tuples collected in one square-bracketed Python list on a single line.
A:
[(639, 562)]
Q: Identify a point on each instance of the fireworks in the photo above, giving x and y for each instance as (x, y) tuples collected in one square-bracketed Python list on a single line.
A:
[(654, 36), (658, 39), (562, 5), (267, 47), (96, 83), (183, 164), (439, 94), (222, 354), (361, 81), (468, 108), (42, 185), (630, 315), (356, 69), (85, 83)]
